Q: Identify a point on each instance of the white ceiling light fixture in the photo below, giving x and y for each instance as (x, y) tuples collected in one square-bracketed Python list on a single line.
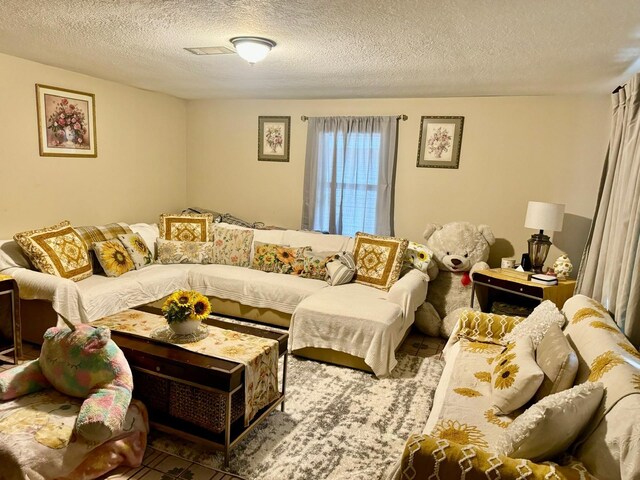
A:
[(252, 49)]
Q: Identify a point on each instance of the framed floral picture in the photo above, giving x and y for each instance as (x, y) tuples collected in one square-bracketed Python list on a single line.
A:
[(439, 142), (273, 138), (66, 122)]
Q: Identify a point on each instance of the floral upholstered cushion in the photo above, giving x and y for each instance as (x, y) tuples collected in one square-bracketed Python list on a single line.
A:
[(417, 256), (137, 249), (423, 455), (378, 259), (99, 233), (232, 246), (171, 251), (57, 250), (192, 227), (270, 257), (550, 426), (515, 377), (113, 257), (315, 264)]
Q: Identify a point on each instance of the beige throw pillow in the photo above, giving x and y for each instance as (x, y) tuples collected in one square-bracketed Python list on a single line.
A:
[(57, 250), (171, 251), (558, 361), (232, 246), (137, 249), (550, 426), (192, 227), (378, 259), (537, 323), (515, 377)]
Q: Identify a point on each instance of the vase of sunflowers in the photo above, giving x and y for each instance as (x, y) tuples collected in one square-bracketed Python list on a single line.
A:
[(184, 310)]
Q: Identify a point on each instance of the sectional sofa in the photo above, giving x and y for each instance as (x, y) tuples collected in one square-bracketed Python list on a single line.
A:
[(353, 324), (463, 434)]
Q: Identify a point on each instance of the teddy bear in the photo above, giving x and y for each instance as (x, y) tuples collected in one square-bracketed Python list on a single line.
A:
[(83, 362), (459, 249)]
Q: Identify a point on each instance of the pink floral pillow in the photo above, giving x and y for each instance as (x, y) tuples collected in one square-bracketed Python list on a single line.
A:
[(232, 246)]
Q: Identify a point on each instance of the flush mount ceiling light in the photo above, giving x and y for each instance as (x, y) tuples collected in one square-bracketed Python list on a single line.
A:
[(252, 49)]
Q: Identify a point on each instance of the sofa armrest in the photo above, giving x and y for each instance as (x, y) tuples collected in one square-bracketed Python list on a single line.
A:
[(409, 292), (424, 455), (483, 327), (63, 293)]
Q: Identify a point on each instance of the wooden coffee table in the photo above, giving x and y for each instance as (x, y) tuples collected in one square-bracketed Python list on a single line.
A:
[(166, 374)]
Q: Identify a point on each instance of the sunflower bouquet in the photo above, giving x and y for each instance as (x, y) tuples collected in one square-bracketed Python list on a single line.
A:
[(186, 305)]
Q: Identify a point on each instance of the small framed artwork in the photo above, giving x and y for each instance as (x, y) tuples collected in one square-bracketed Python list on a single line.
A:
[(273, 138), (66, 122), (439, 143)]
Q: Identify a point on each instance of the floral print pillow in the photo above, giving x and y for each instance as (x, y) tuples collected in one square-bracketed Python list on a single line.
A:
[(171, 251), (315, 264), (137, 249), (232, 246), (113, 257), (270, 257)]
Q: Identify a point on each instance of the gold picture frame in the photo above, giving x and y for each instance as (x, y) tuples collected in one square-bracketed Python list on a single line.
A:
[(66, 122)]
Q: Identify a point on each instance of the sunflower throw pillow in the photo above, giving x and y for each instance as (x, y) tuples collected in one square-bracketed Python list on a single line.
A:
[(416, 256), (515, 377), (137, 249), (113, 257), (270, 257)]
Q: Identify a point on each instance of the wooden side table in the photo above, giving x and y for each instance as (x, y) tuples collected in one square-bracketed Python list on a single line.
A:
[(491, 285), (10, 337)]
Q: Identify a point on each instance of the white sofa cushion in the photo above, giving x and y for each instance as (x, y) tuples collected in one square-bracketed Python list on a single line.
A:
[(319, 242), (548, 428), (353, 319), (253, 287)]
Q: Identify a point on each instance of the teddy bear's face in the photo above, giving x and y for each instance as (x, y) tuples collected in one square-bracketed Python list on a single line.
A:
[(457, 247)]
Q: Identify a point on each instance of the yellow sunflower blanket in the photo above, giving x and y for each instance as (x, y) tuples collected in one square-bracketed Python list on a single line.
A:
[(258, 355)]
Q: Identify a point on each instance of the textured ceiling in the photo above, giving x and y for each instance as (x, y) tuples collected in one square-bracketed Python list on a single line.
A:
[(335, 48)]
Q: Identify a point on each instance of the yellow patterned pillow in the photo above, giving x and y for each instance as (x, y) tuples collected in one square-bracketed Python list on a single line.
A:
[(425, 456), (113, 257), (57, 250), (378, 259), (485, 327), (194, 227), (515, 377)]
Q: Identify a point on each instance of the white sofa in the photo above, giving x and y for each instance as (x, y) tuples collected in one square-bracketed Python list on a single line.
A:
[(312, 306), (608, 448)]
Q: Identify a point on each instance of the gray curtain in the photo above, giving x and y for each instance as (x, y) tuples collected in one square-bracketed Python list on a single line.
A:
[(610, 268), (349, 175)]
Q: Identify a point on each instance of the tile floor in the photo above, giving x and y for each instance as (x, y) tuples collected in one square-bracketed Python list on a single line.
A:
[(158, 465)]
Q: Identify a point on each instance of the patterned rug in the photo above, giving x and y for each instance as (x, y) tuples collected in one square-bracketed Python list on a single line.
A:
[(339, 423)]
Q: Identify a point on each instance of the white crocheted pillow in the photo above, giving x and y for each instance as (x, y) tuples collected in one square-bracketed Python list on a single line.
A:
[(537, 323), (548, 428)]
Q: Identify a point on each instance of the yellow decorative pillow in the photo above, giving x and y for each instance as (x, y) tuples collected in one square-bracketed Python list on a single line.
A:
[(57, 250), (378, 259), (485, 327), (516, 376), (194, 227), (425, 456), (113, 257), (270, 257)]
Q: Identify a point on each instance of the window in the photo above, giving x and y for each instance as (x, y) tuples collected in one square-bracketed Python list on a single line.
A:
[(349, 175)]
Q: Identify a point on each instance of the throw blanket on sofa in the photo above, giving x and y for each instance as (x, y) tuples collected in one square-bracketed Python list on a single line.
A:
[(258, 355)]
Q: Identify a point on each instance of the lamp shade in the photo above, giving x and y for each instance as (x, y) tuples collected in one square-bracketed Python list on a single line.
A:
[(544, 216), (252, 49)]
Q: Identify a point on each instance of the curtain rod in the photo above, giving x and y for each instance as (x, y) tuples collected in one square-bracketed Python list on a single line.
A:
[(304, 118)]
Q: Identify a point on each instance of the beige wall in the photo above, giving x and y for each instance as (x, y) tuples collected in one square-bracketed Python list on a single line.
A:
[(140, 170), (514, 149)]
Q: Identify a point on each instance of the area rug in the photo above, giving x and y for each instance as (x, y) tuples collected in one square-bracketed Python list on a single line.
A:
[(338, 423)]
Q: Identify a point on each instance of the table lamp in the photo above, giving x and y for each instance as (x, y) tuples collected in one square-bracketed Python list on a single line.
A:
[(542, 216)]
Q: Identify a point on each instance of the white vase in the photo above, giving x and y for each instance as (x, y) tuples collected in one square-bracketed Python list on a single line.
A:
[(185, 327), (70, 134)]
